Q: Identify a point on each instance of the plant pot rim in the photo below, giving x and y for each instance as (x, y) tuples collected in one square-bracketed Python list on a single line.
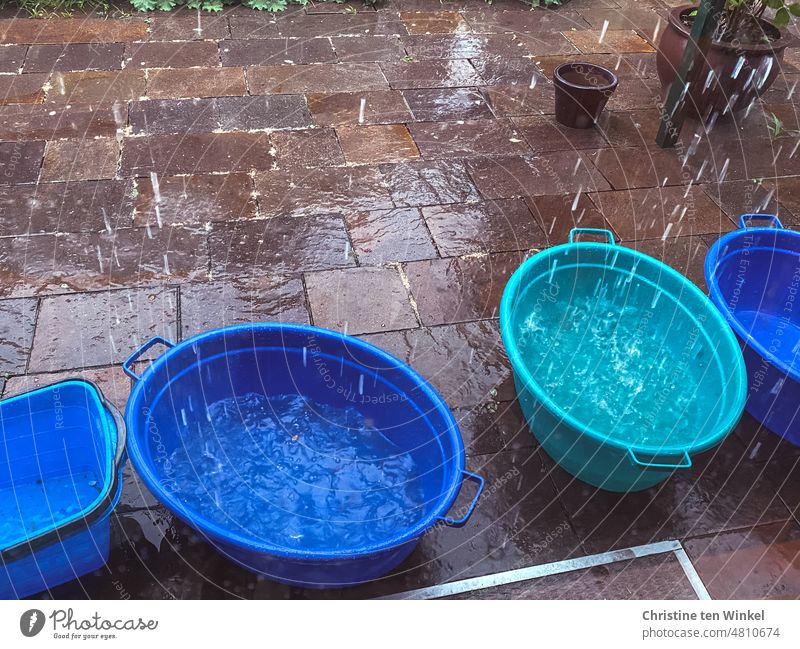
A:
[(785, 39), (611, 85)]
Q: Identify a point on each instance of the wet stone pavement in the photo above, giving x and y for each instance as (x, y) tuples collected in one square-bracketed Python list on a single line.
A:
[(381, 170)]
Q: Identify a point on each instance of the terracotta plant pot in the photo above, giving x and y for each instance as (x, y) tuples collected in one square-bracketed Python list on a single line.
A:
[(582, 91), (729, 89)]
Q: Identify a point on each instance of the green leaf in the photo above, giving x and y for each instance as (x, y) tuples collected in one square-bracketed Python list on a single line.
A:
[(782, 17), (794, 9)]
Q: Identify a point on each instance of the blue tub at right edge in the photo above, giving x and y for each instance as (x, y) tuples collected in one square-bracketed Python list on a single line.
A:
[(753, 276)]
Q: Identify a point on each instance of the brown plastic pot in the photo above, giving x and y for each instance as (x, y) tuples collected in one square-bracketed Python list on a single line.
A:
[(582, 91), (728, 89)]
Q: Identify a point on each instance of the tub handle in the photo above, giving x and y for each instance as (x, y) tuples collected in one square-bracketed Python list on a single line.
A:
[(772, 219), (460, 522), (127, 366), (600, 232), (685, 463)]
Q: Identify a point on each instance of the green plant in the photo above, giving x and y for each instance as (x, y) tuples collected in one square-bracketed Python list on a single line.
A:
[(42, 8), (742, 19)]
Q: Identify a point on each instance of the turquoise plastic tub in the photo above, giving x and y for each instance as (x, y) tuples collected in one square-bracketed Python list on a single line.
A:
[(624, 369)]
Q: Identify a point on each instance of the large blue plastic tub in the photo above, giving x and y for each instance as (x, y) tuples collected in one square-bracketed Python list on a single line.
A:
[(646, 438), (60, 477), (171, 399), (753, 277)]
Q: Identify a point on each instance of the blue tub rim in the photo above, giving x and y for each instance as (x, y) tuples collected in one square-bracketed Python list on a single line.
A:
[(112, 485), (710, 267), (219, 533), (520, 369)]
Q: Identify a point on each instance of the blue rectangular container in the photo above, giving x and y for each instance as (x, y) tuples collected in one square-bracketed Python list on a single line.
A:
[(61, 458)]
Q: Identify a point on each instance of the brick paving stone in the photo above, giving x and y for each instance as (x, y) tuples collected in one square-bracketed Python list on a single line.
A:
[(164, 116), (22, 88), (557, 215), (96, 87), (516, 100), (490, 428), (313, 191), (394, 235), (195, 82), (90, 159), (466, 46), (495, 226), (510, 71), (641, 19), (359, 300), (637, 65), (687, 255), (433, 22), (12, 57), (635, 167), (85, 206), (490, 21), (270, 112), (171, 55), (307, 148), (250, 27), (20, 162), (301, 25), (377, 144), (635, 128), (635, 94), (544, 134), (429, 183), (77, 30), (74, 57), (430, 74), (277, 51), (467, 138), (17, 322), (102, 328), (194, 200), (293, 79), (345, 6), (284, 245), (442, 105), (453, 290), (241, 300), (747, 197), (614, 41), (47, 122), (196, 153), (368, 49), (181, 25), (344, 108)]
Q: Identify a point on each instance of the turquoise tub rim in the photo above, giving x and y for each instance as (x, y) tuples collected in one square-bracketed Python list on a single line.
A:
[(721, 429)]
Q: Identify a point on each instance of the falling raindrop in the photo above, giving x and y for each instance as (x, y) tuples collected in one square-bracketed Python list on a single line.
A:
[(724, 171), (577, 165), (666, 232), (688, 188), (765, 76), (777, 153), (656, 30), (346, 250), (533, 81), (361, 384), (100, 258), (553, 270), (199, 28), (738, 68), (603, 31), (105, 220), (361, 109), (166, 264), (305, 356), (791, 91), (577, 198), (794, 150)]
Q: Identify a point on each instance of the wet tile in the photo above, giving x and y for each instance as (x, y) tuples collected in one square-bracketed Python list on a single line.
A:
[(309, 148), (460, 289), (92, 159), (377, 144), (166, 116), (241, 300), (637, 167), (723, 491), (343, 7), (763, 562), (467, 139), (382, 236), (20, 162), (368, 49), (657, 577), (466, 46), (47, 263), (429, 183), (367, 23), (626, 66), (544, 135), (635, 128), (195, 153), (344, 108), (491, 21), (492, 226), (276, 51), (557, 215), (22, 88), (101, 328), (38, 122), (196, 82), (292, 79), (430, 74), (253, 27), (647, 213), (251, 113), (73, 57), (788, 192), (181, 25), (359, 300), (685, 254), (318, 191), (635, 94), (12, 57), (493, 427), (64, 30), (17, 321), (87, 206), (96, 87), (464, 362), (514, 100), (282, 245), (510, 71), (614, 41), (433, 22), (548, 173), (194, 200), (440, 105), (171, 55)]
